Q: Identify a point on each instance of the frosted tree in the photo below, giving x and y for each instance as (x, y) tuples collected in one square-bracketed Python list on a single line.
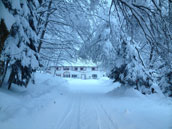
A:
[(121, 43), (152, 20), (68, 27), (19, 50)]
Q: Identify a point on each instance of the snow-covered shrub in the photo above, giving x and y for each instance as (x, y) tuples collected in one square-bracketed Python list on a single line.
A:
[(129, 69), (165, 83)]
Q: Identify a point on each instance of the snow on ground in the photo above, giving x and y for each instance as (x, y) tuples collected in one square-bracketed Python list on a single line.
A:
[(30, 99), (54, 103)]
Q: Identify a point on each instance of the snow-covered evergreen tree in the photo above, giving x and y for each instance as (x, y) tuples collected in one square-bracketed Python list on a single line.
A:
[(19, 47), (129, 68), (113, 45)]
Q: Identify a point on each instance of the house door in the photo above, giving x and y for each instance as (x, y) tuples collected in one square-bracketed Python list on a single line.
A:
[(83, 76)]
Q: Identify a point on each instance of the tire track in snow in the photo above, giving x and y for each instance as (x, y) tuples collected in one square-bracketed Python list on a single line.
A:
[(66, 114), (101, 116), (88, 115), (101, 109), (79, 112), (76, 115), (71, 117), (98, 117)]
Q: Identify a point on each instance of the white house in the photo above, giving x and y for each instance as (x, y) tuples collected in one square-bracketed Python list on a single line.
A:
[(78, 70)]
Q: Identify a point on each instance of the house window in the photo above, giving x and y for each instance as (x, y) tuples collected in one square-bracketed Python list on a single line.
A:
[(58, 75), (82, 68), (48, 72), (66, 75), (58, 68), (74, 76), (76, 69), (93, 68), (94, 76), (65, 68)]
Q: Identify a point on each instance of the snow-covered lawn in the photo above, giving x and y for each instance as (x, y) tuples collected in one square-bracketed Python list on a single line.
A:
[(54, 103)]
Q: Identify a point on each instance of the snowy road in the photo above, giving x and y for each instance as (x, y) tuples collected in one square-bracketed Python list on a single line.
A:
[(86, 105), (84, 109)]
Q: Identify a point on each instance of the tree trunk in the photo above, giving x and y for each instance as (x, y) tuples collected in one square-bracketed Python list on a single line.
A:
[(151, 54), (170, 15), (4, 73), (45, 26), (9, 85), (160, 3), (11, 78), (3, 34)]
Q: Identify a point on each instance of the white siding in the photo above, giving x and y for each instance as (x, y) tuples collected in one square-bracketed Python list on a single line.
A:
[(81, 72)]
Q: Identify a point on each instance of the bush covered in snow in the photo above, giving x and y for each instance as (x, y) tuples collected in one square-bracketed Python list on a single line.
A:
[(129, 70)]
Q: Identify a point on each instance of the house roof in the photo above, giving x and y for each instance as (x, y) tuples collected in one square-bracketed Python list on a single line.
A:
[(78, 63)]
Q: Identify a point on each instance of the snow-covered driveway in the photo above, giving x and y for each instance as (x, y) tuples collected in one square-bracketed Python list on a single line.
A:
[(86, 105)]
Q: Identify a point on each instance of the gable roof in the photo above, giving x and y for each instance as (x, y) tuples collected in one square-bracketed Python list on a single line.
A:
[(77, 63), (80, 63)]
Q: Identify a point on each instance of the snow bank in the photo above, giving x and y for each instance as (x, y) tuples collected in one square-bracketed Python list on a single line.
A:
[(49, 104), (120, 91), (36, 96), (46, 83), (125, 92), (108, 82)]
